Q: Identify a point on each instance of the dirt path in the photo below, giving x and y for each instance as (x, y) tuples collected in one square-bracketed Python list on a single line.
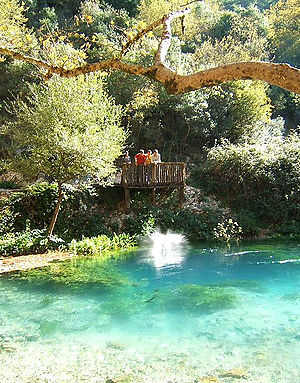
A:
[(31, 261)]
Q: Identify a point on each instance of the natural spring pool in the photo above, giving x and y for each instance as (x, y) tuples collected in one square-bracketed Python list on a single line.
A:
[(172, 313)]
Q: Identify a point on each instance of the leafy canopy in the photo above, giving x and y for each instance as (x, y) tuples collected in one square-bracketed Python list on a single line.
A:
[(284, 30), (13, 31), (67, 130)]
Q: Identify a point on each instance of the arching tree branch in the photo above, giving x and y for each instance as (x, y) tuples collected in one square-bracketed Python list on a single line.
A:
[(282, 75)]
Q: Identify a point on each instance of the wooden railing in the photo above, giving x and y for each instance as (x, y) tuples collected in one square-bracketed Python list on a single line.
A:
[(163, 174)]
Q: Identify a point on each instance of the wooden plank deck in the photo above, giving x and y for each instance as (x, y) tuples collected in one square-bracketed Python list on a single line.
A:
[(161, 175)]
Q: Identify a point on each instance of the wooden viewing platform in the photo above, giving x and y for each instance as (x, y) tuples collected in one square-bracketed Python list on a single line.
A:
[(153, 176)]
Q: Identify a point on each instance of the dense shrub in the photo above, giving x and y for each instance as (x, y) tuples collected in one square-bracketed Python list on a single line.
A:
[(80, 213), (28, 241), (35, 205), (8, 185), (260, 174), (193, 226)]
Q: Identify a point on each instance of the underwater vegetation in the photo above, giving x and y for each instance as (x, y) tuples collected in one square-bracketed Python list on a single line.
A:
[(188, 299), (243, 284), (75, 273), (291, 297), (121, 307), (195, 299)]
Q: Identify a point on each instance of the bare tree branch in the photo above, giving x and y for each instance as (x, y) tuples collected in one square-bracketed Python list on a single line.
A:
[(282, 75), (166, 38)]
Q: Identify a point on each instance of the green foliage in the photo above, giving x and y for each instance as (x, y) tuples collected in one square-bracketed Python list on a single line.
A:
[(200, 118), (102, 244), (260, 174), (8, 185), (61, 117), (62, 132), (228, 231), (28, 241), (234, 4), (193, 226), (34, 205), (103, 27), (7, 220), (284, 26), (80, 214), (129, 5), (232, 37), (13, 31)]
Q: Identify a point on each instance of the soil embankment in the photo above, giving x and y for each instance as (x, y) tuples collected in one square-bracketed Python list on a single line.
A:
[(31, 261)]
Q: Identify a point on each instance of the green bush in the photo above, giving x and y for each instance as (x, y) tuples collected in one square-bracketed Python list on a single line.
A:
[(80, 214), (102, 244), (8, 185), (28, 241), (36, 205), (261, 175), (193, 226)]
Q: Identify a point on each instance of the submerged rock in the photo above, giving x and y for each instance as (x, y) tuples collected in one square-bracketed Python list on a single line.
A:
[(207, 379), (7, 347), (115, 345), (236, 373)]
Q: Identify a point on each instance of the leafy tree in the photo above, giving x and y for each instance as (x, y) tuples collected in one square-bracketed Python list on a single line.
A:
[(67, 130), (234, 4), (13, 31), (103, 26), (129, 5), (284, 31)]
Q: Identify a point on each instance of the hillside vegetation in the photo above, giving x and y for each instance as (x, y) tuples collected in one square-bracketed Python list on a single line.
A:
[(240, 139)]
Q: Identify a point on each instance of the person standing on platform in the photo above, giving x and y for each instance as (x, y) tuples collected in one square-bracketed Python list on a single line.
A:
[(140, 158), (126, 158), (148, 157), (156, 157)]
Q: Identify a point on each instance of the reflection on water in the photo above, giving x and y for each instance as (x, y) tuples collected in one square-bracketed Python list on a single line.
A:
[(166, 249)]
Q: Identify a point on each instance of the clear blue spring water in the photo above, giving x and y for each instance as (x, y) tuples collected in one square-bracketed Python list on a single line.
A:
[(168, 314)]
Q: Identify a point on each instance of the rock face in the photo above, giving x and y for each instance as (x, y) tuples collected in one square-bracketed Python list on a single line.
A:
[(197, 202)]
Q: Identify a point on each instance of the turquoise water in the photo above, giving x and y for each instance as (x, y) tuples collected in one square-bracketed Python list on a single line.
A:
[(170, 314)]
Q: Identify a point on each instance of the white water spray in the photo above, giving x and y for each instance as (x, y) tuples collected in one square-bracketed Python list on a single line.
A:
[(166, 249)]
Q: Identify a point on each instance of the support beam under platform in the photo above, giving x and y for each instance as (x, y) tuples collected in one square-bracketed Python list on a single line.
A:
[(127, 199)]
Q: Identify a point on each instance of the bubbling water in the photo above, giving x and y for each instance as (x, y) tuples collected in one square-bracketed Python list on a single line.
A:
[(166, 249)]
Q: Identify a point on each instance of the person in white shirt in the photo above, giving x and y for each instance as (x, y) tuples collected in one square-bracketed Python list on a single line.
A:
[(155, 158)]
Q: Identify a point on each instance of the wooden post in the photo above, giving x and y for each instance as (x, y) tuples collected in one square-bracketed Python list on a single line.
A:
[(153, 196), (127, 199), (181, 194)]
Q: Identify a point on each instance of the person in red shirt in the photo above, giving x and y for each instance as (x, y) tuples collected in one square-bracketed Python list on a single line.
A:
[(140, 158)]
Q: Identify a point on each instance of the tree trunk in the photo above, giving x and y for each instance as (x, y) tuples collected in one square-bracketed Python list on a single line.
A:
[(56, 211)]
